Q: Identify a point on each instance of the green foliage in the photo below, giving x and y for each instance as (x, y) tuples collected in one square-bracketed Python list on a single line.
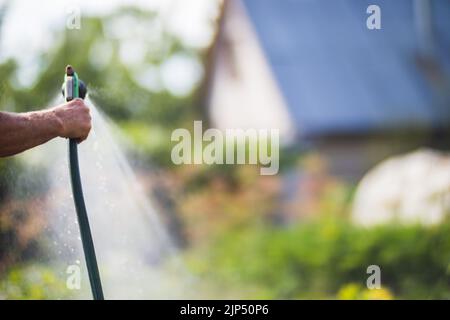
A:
[(322, 259), (355, 291), (113, 84), (34, 282)]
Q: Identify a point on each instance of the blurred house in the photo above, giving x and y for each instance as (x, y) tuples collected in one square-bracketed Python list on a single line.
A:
[(313, 69)]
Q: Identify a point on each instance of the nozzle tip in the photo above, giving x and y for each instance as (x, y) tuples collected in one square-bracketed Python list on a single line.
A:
[(69, 70)]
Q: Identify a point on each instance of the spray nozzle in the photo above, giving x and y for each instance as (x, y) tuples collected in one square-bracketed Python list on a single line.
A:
[(69, 70), (73, 87)]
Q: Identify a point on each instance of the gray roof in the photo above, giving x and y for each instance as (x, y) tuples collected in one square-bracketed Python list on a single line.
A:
[(337, 76)]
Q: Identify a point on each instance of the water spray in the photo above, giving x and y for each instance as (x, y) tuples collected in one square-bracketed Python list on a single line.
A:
[(74, 88)]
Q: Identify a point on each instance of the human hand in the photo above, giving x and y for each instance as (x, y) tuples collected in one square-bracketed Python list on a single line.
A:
[(74, 118)]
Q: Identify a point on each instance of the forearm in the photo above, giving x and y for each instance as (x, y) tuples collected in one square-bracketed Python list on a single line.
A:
[(22, 131)]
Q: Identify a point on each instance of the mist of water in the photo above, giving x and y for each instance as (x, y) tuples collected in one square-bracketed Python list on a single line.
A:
[(135, 253)]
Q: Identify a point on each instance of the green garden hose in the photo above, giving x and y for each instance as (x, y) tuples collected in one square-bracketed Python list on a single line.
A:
[(75, 88)]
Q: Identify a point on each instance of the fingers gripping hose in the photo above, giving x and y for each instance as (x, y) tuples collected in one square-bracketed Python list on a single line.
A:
[(75, 88)]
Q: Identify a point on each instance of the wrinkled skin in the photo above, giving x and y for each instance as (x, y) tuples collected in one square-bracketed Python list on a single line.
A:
[(23, 131)]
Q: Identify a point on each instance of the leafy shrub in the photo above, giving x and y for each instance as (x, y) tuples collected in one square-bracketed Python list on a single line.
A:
[(319, 259), (34, 282)]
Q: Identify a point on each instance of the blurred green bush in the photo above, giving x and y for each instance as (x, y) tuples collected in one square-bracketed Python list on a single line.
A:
[(328, 258), (34, 282)]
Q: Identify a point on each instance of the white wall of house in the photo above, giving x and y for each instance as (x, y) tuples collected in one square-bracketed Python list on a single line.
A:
[(244, 93)]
